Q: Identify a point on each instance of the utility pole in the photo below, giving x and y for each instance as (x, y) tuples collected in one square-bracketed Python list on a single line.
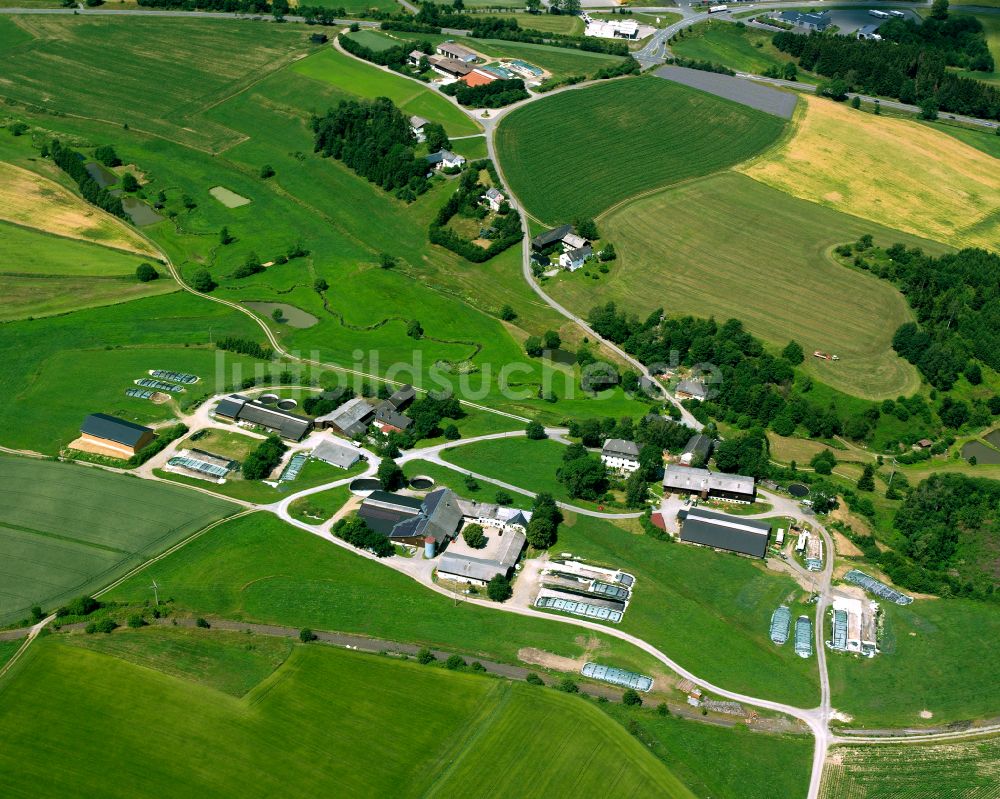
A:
[(156, 592)]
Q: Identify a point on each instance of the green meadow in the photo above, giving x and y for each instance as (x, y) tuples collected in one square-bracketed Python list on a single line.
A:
[(741, 48), (66, 530), (314, 709), (353, 77), (673, 133)]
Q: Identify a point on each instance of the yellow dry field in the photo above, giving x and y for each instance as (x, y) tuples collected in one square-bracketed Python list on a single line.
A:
[(893, 171), (33, 201)]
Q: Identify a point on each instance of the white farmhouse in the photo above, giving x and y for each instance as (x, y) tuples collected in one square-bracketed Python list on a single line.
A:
[(620, 455)]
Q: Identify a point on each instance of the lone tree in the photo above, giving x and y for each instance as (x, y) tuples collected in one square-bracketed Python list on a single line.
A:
[(386, 261), (320, 285), (473, 535), (498, 589), (823, 462), (552, 340), (267, 171), (129, 183), (508, 314), (225, 237), (535, 431), (533, 346), (145, 272), (306, 635), (414, 329), (425, 656), (451, 433)]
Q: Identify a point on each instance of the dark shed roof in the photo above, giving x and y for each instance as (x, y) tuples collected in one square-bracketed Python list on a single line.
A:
[(543, 240), (100, 425)]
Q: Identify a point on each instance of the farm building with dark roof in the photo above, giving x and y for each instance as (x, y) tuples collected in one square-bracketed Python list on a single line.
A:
[(721, 531)]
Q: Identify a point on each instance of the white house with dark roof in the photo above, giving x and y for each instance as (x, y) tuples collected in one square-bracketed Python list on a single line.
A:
[(445, 159), (620, 455), (417, 125), (571, 260), (691, 389), (413, 59), (495, 199)]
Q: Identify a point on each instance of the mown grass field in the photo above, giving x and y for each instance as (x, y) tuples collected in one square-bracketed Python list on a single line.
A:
[(188, 66), (65, 530), (317, 508), (737, 48), (256, 568), (353, 77), (627, 137), (929, 184), (942, 656), (449, 720), (948, 770), (528, 464), (550, 23), (728, 247)]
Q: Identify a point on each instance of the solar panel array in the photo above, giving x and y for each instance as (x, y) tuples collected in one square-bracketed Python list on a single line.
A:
[(877, 587), (579, 608), (627, 679), (196, 465), (609, 590), (159, 385), (139, 393), (174, 377)]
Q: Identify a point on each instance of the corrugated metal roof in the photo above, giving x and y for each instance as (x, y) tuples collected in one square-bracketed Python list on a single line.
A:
[(111, 428)]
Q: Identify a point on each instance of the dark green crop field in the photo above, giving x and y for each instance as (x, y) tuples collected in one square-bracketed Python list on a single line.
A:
[(580, 152)]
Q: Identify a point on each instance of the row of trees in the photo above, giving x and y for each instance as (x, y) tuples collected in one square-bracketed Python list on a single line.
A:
[(913, 72), (375, 140), (245, 346), (72, 163), (496, 94), (358, 534)]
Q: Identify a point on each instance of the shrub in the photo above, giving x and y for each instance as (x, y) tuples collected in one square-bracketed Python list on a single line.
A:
[(454, 663), (306, 635), (267, 171), (534, 679), (535, 431), (568, 686), (425, 656), (475, 665), (81, 606), (499, 589), (662, 709), (106, 625), (201, 280), (145, 272), (200, 622), (135, 621), (631, 698)]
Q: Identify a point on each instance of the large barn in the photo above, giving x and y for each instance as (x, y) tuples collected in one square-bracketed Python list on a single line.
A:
[(109, 435), (720, 531), (709, 485)]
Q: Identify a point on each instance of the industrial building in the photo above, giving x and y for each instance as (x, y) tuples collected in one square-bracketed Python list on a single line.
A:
[(855, 626), (108, 435), (246, 411), (709, 485), (343, 457), (720, 531), (350, 419)]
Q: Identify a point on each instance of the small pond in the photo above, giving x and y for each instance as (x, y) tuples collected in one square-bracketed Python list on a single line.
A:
[(365, 484), (981, 452), (103, 176), (993, 438), (141, 213), (798, 490), (290, 315)]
